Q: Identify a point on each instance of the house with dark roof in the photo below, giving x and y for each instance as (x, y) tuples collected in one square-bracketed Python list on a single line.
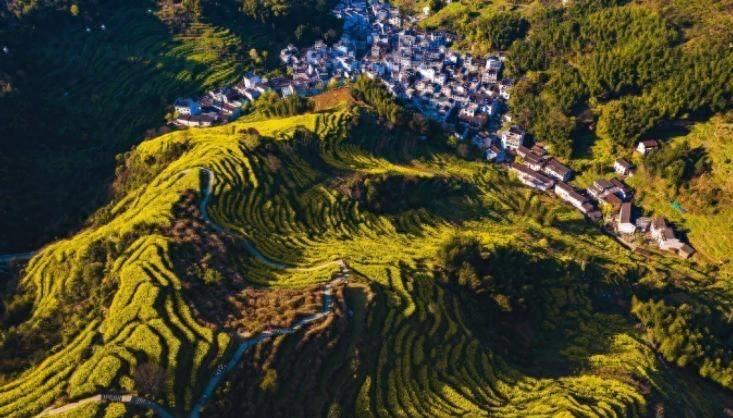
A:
[(567, 193), (621, 190), (540, 150), (664, 235), (557, 170), (611, 200), (534, 161), (531, 178), (624, 224), (496, 154), (195, 120), (645, 147), (522, 151)]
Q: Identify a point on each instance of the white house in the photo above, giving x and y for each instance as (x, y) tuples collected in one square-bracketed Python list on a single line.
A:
[(623, 167), (493, 64), (513, 137), (195, 120), (555, 169), (664, 235), (531, 178), (187, 107), (624, 224), (251, 80), (505, 88), (534, 161), (568, 194), (645, 147)]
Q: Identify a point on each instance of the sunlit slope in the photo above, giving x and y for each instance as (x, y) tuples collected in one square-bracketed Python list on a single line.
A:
[(281, 190), (147, 317)]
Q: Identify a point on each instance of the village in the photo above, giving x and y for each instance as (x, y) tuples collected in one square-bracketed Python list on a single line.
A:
[(466, 95), (542, 172)]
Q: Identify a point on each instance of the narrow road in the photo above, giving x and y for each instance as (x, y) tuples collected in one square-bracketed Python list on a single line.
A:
[(108, 398), (222, 369), (208, 187), (246, 344), (220, 372)]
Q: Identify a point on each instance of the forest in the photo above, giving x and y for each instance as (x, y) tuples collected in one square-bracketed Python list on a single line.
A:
[(632, 66), (689, 331)]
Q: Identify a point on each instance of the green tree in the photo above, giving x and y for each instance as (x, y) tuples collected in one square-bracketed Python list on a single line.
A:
[(213, 276)]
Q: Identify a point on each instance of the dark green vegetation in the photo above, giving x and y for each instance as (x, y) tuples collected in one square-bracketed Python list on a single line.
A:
[(634, 65), (466, 296), (690, 331), (272, 105), (497, 32), (617, 70), (310, 18), (392, 113), (374, 94), (72, 99), (394, 194), (679, 163)]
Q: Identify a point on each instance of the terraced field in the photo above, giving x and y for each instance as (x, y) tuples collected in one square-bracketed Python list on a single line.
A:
[(412, 350)]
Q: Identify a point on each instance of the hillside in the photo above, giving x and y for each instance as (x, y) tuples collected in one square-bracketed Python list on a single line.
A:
[(488, 300), (701, 204), (80, 85), (339, 256)]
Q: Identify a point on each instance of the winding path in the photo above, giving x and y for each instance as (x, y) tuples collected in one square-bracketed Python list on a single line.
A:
[(208, 187), (222, 369)]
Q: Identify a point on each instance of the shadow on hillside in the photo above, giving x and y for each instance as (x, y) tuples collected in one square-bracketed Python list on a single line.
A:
[(79, 99), (313, 372), (304, 195), (545, 316)]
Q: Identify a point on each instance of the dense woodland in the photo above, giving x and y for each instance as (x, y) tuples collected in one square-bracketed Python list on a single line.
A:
[(689, 331), (374, 94), (272, 105), (634, 66)]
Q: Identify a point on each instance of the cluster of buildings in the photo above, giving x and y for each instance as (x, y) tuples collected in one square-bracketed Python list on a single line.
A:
[(224, 104), (656, 230), (462, 92), (216, 106), (536, 168)]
